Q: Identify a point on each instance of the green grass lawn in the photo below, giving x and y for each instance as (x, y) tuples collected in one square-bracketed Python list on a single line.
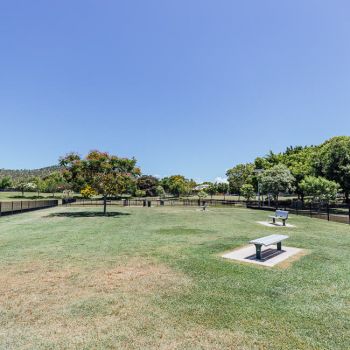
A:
[(153, 278)]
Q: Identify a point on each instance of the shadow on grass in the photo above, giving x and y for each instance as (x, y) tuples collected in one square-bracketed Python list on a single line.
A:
[(86, 214), (30, 197)]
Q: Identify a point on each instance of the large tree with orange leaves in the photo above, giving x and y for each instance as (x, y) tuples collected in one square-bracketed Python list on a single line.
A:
[(107, 174)]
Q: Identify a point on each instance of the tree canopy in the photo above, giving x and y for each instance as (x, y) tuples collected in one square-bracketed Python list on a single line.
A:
[(106, 174)]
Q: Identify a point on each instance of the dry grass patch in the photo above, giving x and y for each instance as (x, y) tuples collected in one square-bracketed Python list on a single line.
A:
[(58, 305)]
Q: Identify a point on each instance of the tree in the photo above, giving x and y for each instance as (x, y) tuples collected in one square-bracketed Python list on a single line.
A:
[(319, 188), (5, 182), (240, 175), (53, 183), (88, 192), (222, 187), (21, 186), (39, 185), (106, 174), (177, 185), (140, 193), (160, 191), (202, 194), (277, 179), (212, 190), (332, 161), (299, 161), (248, 191), (148, 184)]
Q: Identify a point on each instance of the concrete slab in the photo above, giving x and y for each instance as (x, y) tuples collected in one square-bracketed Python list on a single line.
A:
[(277, 224), (270, 255)]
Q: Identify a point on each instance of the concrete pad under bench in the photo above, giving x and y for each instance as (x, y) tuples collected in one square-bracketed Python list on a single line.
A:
[(277, 224), (270, 256)]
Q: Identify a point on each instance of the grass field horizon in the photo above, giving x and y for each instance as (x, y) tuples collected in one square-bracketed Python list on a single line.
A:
[(154, 278)]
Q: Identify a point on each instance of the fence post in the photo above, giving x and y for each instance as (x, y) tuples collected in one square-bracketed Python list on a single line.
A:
[(348, 204), (310, 210), (21, 206), (1, 203), (12, 208), (328, 211)]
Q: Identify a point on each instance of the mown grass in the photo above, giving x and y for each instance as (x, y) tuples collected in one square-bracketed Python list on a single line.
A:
[(145, 278)]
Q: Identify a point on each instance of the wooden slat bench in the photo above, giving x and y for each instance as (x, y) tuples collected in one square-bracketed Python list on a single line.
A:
[(280, 215), (268, 240)]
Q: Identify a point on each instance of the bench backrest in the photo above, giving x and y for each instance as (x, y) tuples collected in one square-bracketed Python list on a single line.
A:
[(281, 214)]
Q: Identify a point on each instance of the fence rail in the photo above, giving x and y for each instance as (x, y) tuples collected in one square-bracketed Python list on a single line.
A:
[(155, 202), (336, 212), (16, 207)]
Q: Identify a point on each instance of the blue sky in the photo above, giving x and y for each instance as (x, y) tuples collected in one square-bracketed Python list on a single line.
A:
[(190, 87)]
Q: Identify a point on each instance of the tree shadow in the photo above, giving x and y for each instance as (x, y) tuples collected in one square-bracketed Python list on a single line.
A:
[(29, 197), (86, 214)]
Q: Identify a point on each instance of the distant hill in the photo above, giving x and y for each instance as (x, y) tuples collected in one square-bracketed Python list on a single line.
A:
[(27, 173)]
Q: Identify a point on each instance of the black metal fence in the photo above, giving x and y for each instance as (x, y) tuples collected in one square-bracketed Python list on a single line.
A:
[(16, 207), (339, 212), (155, 202)]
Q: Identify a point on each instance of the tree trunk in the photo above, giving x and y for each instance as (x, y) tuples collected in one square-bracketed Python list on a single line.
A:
[(347, 197), (104, 205), (22, 193)]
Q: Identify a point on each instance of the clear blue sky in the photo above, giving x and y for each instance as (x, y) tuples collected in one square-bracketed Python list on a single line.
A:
[(190, 87)]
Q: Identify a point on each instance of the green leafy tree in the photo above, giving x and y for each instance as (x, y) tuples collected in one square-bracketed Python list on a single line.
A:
[(107, 174), (332, 161), (178, 185), (277, 179), (319, 188), (160, 191), (299, 161), (54, 183), (21, 186), (202, 194), (140, 193), (240, 175), (148, 184), (39, 184), (212, 190), (5, 182), (248, 191), (222, 187)]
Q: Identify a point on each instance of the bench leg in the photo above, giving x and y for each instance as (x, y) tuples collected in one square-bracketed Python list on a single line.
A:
[(273, 220), (279, 246), (258, 251), (284, 222)]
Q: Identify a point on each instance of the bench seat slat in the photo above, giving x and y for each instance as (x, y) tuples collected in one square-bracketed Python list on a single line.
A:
[(268, 240)]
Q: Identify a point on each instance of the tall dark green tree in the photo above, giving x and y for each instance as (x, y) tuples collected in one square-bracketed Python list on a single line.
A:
[(240, 175), (149, 184), (332, 161)]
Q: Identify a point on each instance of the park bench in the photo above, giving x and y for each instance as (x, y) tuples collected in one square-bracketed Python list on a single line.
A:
[(280, 215), (266, 241)]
